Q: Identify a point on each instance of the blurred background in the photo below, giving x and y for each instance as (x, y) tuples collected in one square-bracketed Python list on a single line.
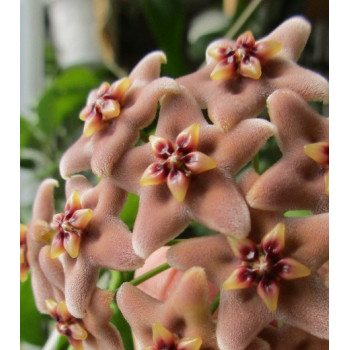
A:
[(68, 47)]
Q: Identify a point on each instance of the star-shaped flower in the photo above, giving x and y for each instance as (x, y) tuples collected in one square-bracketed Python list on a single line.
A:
[(302, 303), (114, 115), (70, 227), (105, 242), (296, 181), (230, 100), (183, 320), (212, 197), (94, 330), (23, 253)]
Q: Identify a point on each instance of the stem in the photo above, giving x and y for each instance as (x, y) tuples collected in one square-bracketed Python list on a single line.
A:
[(256, 163), (242, 19), (215, 304), (115, 281), (149, 274)]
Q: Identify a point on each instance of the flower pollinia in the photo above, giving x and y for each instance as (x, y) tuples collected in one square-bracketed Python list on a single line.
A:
[(70, 227), (264, 264), (103, 104), (177, 162), (67, 325), (164, 339), (245, 58), (23, 253), (319, 152)]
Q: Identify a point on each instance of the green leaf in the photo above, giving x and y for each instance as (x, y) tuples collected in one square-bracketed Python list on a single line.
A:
[(167, 22), (65, 97), (128, 215), (297, 213), (32, 322), (125, 331)]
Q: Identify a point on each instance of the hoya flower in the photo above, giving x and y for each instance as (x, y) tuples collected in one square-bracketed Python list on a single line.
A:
[(67, 325), (70, 226), (177, 162), (299, 180), (210, 197), (230, 100), (93, 331), (106, 241), (23, 253), (302, 302), (113, 116), (183, 321), (244, 58)]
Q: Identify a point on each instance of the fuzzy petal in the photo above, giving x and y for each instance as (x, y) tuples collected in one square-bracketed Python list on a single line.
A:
[(178, 183), (268, 291)]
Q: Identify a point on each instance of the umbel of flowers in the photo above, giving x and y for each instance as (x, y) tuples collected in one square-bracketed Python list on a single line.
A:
[(265, 265)]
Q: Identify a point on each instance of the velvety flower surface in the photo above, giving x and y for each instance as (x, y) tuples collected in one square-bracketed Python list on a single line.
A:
[(212, 197), (302, 303), (230, 100), (39, 235), (299, 180), (114, 115), (185, 314), (24, 267), (291, 338), (91, 332), (106, 242)]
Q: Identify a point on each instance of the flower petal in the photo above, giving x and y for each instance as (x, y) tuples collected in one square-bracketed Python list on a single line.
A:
[(72, 244), (73, 203), (326, 182), (109, 109), (118, 89), (243, 248), (199, 162), (250, 68), (273, 242), (57, 247), (51, 307), (24, 272), (63, 312), (81, 218), (267, 49), (23, 233), (225, 69), (162, 148), (242, 277), (290, 269), (187, 140), (155, 174), (85, 112), (189, 344), (220, 52), (246, 39), (92, 124), (162, 337), (78, 332), (319, 152), (268, 291), (178, 184)]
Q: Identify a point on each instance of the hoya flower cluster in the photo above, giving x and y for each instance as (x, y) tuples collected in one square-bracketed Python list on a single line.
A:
[(263, 266)]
